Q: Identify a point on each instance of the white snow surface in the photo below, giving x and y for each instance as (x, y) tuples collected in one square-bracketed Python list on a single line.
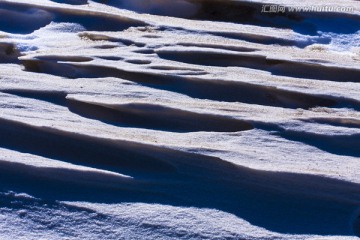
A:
[(178, 119)]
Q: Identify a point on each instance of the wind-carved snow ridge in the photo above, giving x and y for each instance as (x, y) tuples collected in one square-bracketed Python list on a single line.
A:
[(186, 119)]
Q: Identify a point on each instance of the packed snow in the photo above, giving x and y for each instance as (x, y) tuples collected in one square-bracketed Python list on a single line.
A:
[(178, 119)]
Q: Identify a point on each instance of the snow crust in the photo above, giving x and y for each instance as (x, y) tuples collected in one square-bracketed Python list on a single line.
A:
[(178, 120)]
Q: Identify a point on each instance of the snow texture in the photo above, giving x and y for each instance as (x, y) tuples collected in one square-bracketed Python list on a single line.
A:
[(178, 119)]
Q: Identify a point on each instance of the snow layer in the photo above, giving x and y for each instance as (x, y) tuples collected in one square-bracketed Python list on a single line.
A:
[(178, 119)]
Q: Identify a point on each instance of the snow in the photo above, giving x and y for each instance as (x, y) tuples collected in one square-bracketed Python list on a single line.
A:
[(177, 120)]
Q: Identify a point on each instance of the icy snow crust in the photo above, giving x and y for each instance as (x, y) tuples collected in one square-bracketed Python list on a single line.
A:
[(174, 119)]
